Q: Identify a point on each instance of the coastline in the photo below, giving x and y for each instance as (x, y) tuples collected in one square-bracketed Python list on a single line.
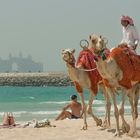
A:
[(35, 79), (67, 129)]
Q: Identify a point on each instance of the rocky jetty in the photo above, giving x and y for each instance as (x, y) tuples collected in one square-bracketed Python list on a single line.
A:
[(35, 79)]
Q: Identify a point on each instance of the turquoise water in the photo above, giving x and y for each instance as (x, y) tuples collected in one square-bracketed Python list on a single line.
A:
[(29, 103)]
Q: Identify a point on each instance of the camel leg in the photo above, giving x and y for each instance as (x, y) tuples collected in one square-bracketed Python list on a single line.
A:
[(83, 111), (89, 109), (116, 112), (136, 99), (125, 126), (80, 92), (133, 99), (106, 123)]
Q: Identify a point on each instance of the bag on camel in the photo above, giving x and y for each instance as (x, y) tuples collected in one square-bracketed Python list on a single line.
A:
[(8, 119)]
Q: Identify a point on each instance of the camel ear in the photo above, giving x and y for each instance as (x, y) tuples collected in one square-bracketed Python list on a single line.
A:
[(105, 40), (101, 36), (62, 50), (73, 51), (89, 37)]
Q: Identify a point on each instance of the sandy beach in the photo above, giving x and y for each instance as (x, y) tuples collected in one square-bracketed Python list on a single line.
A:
[(66, 130)]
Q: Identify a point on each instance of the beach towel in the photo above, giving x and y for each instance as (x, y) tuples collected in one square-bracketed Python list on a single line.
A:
[(30, 124), (129, 63), (86, 60)]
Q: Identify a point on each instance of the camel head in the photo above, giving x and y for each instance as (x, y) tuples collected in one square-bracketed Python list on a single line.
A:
[(98, 43), (68, 56)]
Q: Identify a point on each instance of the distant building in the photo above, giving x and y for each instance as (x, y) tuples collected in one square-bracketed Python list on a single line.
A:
[(20, 64)]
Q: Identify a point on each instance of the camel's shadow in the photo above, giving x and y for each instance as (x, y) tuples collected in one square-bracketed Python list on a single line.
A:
[(113, 130)]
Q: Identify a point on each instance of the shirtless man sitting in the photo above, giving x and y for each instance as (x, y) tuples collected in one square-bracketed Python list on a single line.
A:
[(75, 108)]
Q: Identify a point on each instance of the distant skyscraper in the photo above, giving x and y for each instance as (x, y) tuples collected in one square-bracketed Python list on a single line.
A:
[(20, 64)]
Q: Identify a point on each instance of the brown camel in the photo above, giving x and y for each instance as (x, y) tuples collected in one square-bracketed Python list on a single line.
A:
[(81, 80), (120, 69)]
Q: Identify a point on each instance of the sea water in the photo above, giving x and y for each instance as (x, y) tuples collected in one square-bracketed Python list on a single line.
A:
[(28, 103)]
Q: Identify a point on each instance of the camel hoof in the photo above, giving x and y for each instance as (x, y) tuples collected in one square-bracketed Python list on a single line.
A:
[(106, 124), (117, 134), (84, 127), (125, 128), (133, 134), (99, 122)]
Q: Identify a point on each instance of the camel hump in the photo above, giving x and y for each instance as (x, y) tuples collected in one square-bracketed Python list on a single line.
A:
[(124, 56), (86, 59), (128, 62)]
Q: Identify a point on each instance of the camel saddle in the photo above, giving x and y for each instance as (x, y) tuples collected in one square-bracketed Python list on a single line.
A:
[(129, 63), (86, 60)]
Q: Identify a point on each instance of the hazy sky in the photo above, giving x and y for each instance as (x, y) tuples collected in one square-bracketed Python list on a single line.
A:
[(42, 28)]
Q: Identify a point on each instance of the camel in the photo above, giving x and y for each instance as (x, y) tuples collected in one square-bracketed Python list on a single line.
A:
[(81, 80), (120, 69)]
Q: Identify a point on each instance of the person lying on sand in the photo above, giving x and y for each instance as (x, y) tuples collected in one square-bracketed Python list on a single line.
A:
[(75, 108)]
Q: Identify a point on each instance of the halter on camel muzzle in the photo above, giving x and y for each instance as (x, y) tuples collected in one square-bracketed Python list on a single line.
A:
[(101, 53)]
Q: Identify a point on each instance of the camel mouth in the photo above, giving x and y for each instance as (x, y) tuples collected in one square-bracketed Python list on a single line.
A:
[(65, 57)]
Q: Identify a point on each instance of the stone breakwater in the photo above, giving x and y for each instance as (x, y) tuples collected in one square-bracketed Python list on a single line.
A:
[(34, 79)]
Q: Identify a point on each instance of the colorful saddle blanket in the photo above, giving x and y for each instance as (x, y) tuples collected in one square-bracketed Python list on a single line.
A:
[(86, 60), (129, 63)]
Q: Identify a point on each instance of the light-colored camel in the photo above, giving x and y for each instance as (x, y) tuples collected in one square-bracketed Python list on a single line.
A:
[(81, 80), (118, 71)]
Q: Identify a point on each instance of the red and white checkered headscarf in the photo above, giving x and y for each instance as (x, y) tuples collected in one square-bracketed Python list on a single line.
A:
[(127, 18)]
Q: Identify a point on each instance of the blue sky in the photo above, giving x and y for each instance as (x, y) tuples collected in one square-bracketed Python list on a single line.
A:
[(42, 28)]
